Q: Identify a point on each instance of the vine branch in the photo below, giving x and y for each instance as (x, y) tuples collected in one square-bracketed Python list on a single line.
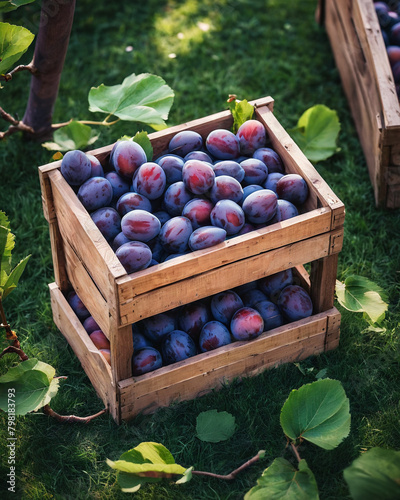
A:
[(233, 474), (72, 419), (296, 452), (22, 67)]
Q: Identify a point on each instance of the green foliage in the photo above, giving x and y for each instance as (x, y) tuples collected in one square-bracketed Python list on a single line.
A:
[(146, 463), (75, 135), (143, 140), (359, 294), (213, 426), (317, 412), (9, 5), (142, 98), (241, 112), (316, 132), (9, 276), (283, 481), (33, 384), (375, 474), (14, 42)]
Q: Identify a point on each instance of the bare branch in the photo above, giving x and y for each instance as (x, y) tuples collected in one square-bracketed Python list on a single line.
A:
[(22, 67), (72, 419), (19, 127), (7, 117), (233, 474)]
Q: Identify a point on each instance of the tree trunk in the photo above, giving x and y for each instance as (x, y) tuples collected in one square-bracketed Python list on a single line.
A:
[(50, 50)]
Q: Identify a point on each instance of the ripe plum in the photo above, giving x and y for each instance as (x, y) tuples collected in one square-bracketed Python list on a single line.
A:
[(255, 171), (132, 201), (146, 360), (176, 346), (295, 303), (76, 167), (229, 167), (149, 180), (270, 313), (184, 142), (120, 185), (134, 256), (198, 211), (213, 335), (108, 221), (90, 324), (99, 339), (192, 317), (77, 305), (226, 187), (271, 180), (198, 176), (223, 144), (97, 168), (156, 327), (95, 193), (206, 236), (175, 233), (273, 284), (224, 305), (246, 324), (228, 215), (260, 206), (175, 198), (140, 225), (252, 136), (198, 155), (271, 159), (126, 157), (293, 188), (172, 166)]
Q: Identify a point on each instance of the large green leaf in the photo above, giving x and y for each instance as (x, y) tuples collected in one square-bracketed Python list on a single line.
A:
[(9, 5), (374, 475), (75, 135), (213, 426), (359, 294), (282, 481), (14, 42), (147, 462), (316, 132), (241, 112), (317, 412), (142, 98), (32, 383)]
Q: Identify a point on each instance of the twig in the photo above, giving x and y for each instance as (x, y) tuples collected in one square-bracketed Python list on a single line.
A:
[(296, 452), (233, 474), (20, 127), (22, 67), (15, 350), (71, 419)]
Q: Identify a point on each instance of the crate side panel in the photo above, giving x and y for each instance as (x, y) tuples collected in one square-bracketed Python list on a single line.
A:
[(77, 227), (226, 277), (93, 363), (207, 362)]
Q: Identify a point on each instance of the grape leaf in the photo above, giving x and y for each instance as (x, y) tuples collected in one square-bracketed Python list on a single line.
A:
[(317, 412), (9, 5), (282, 481), (241, 112), (375, 474), (359, 294), (75, 135), (316, 132), (213, 426), (32, 383), (142, 98), (143, 140), (147, 462), (14, 42)]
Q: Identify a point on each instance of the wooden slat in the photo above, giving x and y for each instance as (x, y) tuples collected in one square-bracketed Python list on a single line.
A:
[(77, 227), (58, 256), (93, 363), (200, 374), (121, 341), (323, 280), (275, 236), (225, 277)]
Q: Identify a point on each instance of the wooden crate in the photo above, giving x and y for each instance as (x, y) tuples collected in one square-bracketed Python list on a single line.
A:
[(82, 258), (360, 55)]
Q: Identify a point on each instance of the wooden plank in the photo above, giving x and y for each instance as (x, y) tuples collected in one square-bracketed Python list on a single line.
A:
[(333, 331), (47, 196), (261, 240), (77, 227), (98, 306), (216, 280), (320, 194), (323, 281), (121, 341), (203, 363), (92, 361), (58, 257)]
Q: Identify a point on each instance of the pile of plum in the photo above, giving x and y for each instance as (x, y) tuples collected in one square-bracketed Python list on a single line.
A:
[(242, 313), (196, 195), (388, 13)]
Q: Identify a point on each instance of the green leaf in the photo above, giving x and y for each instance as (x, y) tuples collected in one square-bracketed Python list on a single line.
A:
[(142, 98), (213, 426), (375, 474), (147, 462), (32, 384), (316, 132), (14, 42), (143, 140), (359, 294), (282, 481), (13, 278), (187, 476), (317, 412), (75, 135), (9, 5), (241, 112)]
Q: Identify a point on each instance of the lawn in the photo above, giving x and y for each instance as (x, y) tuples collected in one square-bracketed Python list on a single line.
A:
[(251, 49)]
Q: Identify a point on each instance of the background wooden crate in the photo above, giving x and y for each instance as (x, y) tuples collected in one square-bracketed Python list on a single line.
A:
[(82, 258), (360, 55)]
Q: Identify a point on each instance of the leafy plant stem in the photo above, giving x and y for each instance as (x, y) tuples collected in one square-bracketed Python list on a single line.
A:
[(295, 452), (4, 323), (71, 419), (22, 67), (103, 123), (233, 474), (16, 350)]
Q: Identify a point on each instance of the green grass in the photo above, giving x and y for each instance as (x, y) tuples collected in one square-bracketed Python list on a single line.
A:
[(252, 49)]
